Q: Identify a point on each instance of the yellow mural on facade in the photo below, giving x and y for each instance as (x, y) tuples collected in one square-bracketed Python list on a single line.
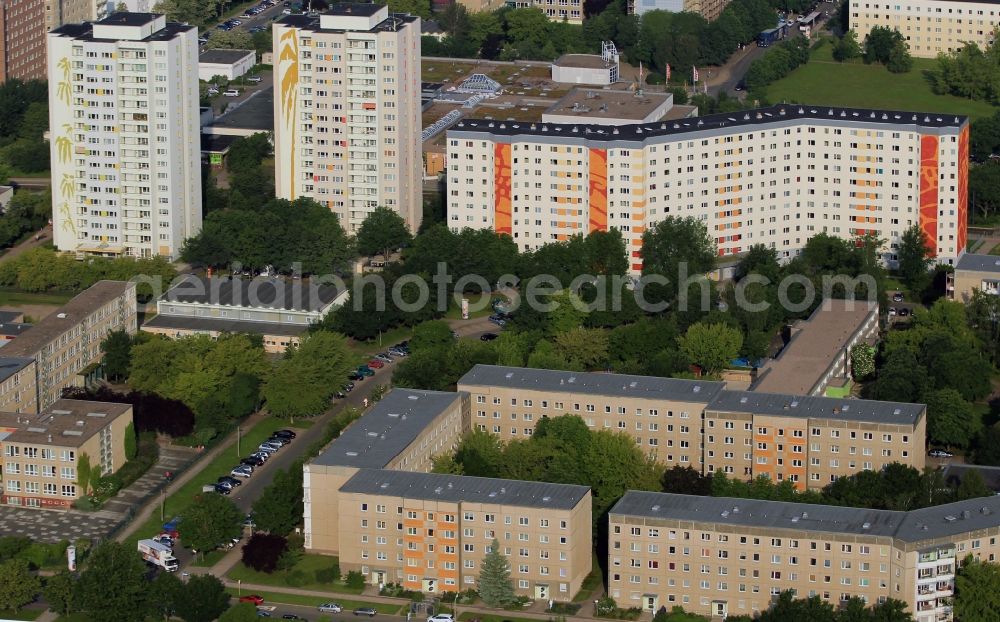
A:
[(64, 89), (64, 149), (288, 63)]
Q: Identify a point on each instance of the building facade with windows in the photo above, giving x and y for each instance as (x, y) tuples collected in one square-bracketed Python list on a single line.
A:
[(41, 452), (430, 532), (556, 10), (930, 27), (124, 119), (773, 176), (974, 272), (709, 9), (721, 556), (66, 344), (347, 111), (59, 12), (810, 441), (18, 385), (22, 40)]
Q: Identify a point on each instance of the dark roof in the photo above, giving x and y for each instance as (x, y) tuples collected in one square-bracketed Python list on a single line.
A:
[(10, 365), (465, 489), (126, 18), (979, 263), (354, 8), (65, 317), (224, 57), (255, 293), (760, 116), (10, 317), (312, 22), (13, 328), (220, 325), (255, 113), (66, 423), (955, 473), (375, 439), (217, 143), (914, 526), (645, 387), (867, 411), (430, 26), (85, 31)]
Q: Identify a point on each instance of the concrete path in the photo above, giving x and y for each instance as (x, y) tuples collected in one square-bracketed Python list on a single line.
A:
[(42, 236)]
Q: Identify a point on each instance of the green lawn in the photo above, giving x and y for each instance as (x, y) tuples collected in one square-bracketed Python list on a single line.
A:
[(995, 250), (590, 583), (824, 81), (465, 617), (209, 559), (14, 298), (316, 601), (309, 564), (455, 309), (24, 614), (180, 500)]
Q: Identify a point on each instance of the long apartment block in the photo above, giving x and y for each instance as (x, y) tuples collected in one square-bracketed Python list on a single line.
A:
[(808, 440), (126, 153), (930, 27), (723, 556), (773, 176), (347, 111)]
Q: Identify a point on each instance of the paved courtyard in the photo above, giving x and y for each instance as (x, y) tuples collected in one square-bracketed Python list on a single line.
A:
[(51, 525)]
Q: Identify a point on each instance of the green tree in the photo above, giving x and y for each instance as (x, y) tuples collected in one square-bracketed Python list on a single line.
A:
[(431, 336), (212, 521), (676, 248), (205, 599), (914, 259), (191, 11), (977, 591), (170, 591), (130, 441), (84, 477), (586, 348), (382, 231), (18, 585), (235, 39), (117, 349), (112, 586), (279, 509), (240, 612), (847, 47), (951, 420), (712, 346), (302, 383), (899, 60), (58, 592), (495, 585), (862, 361)]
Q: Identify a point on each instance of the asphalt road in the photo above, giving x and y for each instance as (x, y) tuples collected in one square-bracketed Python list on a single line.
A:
[(311, 613)]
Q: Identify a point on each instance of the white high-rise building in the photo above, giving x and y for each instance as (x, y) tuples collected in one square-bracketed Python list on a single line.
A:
[(347, 111), (123, 116)]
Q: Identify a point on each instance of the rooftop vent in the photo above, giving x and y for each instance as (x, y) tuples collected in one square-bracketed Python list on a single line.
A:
[(966, 514), (438, 490), (795, 519), (493, 494), (69, 433), (866, 525), (97, 414), (384, 485), (736, 509), (697, 388), (412, 397), (897, 411), (79, 422), (633, 384), (725, 513), (509, 375), (352, 453), (373, 434), (61, 316), (546, 498), (36, 429), (60, 412), (394, 414), (795, 403), (572, 379), (805, 515), (743, 400), (656, 508), (950, 518), (985, 510)]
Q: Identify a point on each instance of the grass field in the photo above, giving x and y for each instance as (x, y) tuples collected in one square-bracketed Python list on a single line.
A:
[(309, 564), (316, 601), (824, 81), (995, 250), (24, 614), (178, 502), (465, 617), (11, 298)]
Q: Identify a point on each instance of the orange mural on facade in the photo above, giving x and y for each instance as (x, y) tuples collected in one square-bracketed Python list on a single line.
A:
[(598, 190), (929, 191), (501, 189), (963, 189)]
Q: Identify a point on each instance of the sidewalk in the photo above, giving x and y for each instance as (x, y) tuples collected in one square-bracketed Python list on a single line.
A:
[(172, 458)]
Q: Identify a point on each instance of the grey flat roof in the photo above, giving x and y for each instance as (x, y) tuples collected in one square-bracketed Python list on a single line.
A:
[(955, 473), (308, 22), (354, 8), (125, 18), (929, 523), (180, 322), (585, 61), (806, 407), (85, 31), (217, 143), (599, 103), (10, 365), (255, 293), (9, 317), (387, 429), (465, 489), (224, 57), (624, 385), (14, 328), (979, 263), (819, 341), (66, 423), (255, 113)]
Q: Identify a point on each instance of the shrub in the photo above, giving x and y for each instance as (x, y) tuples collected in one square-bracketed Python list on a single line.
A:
[(564, 608), (296, 578), (328, 575), (263, 551), (355, 580)]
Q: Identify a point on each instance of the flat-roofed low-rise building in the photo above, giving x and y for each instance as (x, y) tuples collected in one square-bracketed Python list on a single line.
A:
[(817, 358), (41, 452), (279, 310), (722, 556), (230, 64), (974, 272), (606, 107), (403, 431), (66, 344), (430, 532)]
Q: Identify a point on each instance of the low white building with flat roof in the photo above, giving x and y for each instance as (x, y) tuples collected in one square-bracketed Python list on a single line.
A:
[(230, 64)]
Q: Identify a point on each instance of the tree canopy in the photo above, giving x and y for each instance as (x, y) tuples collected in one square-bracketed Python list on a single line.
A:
[(303, 382)]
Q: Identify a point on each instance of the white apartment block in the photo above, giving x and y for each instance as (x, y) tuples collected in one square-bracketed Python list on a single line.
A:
[(929, 26), (123, 113), (556, 10), (59, 12), (774, 176), (347, 111)]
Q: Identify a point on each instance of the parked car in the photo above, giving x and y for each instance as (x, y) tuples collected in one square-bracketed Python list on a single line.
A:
[(285, 434), (498, 320), (248, 521), (256, 599), (892, 311), (213, 91), (278, 440), (365, 611), (254, 79), (291, 616), (356, 377), (348, 387), (376, 364), (399, 352), (442, 617), (263, 455), (223, 489), (330, 608), (364, 370), (231, 93), (897, 297), (904, 312), (939, 453), (232, 481), (384, 357), (488, 337), (252, 462), (241, 471)]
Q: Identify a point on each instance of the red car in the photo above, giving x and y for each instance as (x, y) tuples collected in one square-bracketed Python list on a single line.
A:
[(252, 598), (376, 364)]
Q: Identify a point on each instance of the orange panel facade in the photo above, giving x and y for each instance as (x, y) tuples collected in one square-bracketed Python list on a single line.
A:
[(598, 190), (963, 189), (929, 191), (501, 185)]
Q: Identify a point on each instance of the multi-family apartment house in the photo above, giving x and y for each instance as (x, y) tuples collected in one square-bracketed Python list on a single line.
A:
[(66, 344), (126, 152), (930, 27), (709, 9), (557, 10), (18, 385), (22, 40), (403, 431), (722, 556), (808, 440), (430, 532), (974, 272), (41, 451), (773, 176), (347, 111), (59, 12)]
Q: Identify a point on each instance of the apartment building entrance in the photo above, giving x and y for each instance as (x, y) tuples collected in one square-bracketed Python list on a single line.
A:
[(650, 602), (378, 578), (430, 586), (541, 592), (720, 609)]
